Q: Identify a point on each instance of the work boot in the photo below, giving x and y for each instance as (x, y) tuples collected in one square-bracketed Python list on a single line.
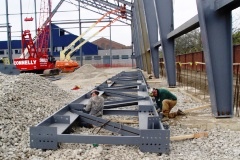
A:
[(181, 113), (164, 119)]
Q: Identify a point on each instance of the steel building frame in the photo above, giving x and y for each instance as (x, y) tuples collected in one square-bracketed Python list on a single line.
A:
[(150, 18), (215, 22), (151, 136)]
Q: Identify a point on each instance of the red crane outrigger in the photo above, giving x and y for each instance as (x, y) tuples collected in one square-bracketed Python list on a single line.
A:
[(35, 57)]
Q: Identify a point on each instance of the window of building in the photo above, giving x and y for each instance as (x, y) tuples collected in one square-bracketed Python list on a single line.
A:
[(55, 49), (61, 32), (115, 57), (124, 56), (88, 57), (1, 52), (97, 57), (17, 51)]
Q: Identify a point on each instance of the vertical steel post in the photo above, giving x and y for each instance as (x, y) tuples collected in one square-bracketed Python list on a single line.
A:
[(152, 28), (21, 18), (145, 36), (35, 13), (80, 32), (110, 46), (216, 32), (137, 43), (50, 27), (140, 37), (9, 43), (136, 49), (164, 9)]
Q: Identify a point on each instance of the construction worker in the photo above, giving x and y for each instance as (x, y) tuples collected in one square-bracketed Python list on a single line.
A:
[(123, 11), (95, 104), (165, 101)]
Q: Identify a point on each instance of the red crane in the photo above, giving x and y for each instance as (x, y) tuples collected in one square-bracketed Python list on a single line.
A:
[(35, 57)]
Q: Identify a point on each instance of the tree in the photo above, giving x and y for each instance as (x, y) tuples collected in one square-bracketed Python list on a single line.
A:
[(188, 43), (236, 37)]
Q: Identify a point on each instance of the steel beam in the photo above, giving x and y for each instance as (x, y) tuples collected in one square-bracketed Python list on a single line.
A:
[(151, 136), (157, 44), (226, 5), (188, 26), (137, 48), (105, 6), (152, 28), (164, 11), (126, 2), (216, 33), (142, 20), (9, 41), (82, 6), (140, 36)]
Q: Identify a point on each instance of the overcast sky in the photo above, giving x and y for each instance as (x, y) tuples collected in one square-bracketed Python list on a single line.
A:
[(183, 10)]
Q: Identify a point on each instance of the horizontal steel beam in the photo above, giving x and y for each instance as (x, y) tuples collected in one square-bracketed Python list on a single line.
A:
[(82, 6), (158, 44), (188, 26), (193, 23), (105, 8), (91, 139), (226, 5)]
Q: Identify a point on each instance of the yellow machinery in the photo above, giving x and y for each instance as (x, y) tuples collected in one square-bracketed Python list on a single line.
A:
[(65, 63), (5, 60)]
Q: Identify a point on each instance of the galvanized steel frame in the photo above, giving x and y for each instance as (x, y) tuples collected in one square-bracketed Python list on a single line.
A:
[(151, 136)]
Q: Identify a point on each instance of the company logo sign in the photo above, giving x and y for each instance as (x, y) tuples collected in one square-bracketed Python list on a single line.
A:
[(43, 60), (25, 62)]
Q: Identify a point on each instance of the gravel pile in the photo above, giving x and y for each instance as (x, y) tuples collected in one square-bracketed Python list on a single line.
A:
[(28, 99), (86, 71)]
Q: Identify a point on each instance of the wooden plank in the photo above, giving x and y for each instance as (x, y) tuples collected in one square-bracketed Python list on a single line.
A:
[(125, 121), (197, 108), (190, 136)]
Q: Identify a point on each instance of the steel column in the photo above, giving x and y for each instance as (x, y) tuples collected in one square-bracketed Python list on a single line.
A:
[(35, 15), (152, 29), (145, 36), (50, 28), (164, 9), (80, 32), (140, 36), (21, 18), (216, 32), (136, 42), (9, 43)]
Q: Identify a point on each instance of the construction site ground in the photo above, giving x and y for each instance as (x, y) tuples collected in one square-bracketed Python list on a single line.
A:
[(200, 117), (35, 98)]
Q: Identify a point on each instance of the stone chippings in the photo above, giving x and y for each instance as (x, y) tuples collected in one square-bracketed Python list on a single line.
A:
[(28, 99)]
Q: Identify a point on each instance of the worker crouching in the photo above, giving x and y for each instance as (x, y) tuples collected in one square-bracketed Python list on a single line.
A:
[(95, 104), (165, 101)]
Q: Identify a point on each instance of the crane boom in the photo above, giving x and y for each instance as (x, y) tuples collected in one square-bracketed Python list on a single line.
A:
[(69, 55), (65, 55), (25, 53)]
